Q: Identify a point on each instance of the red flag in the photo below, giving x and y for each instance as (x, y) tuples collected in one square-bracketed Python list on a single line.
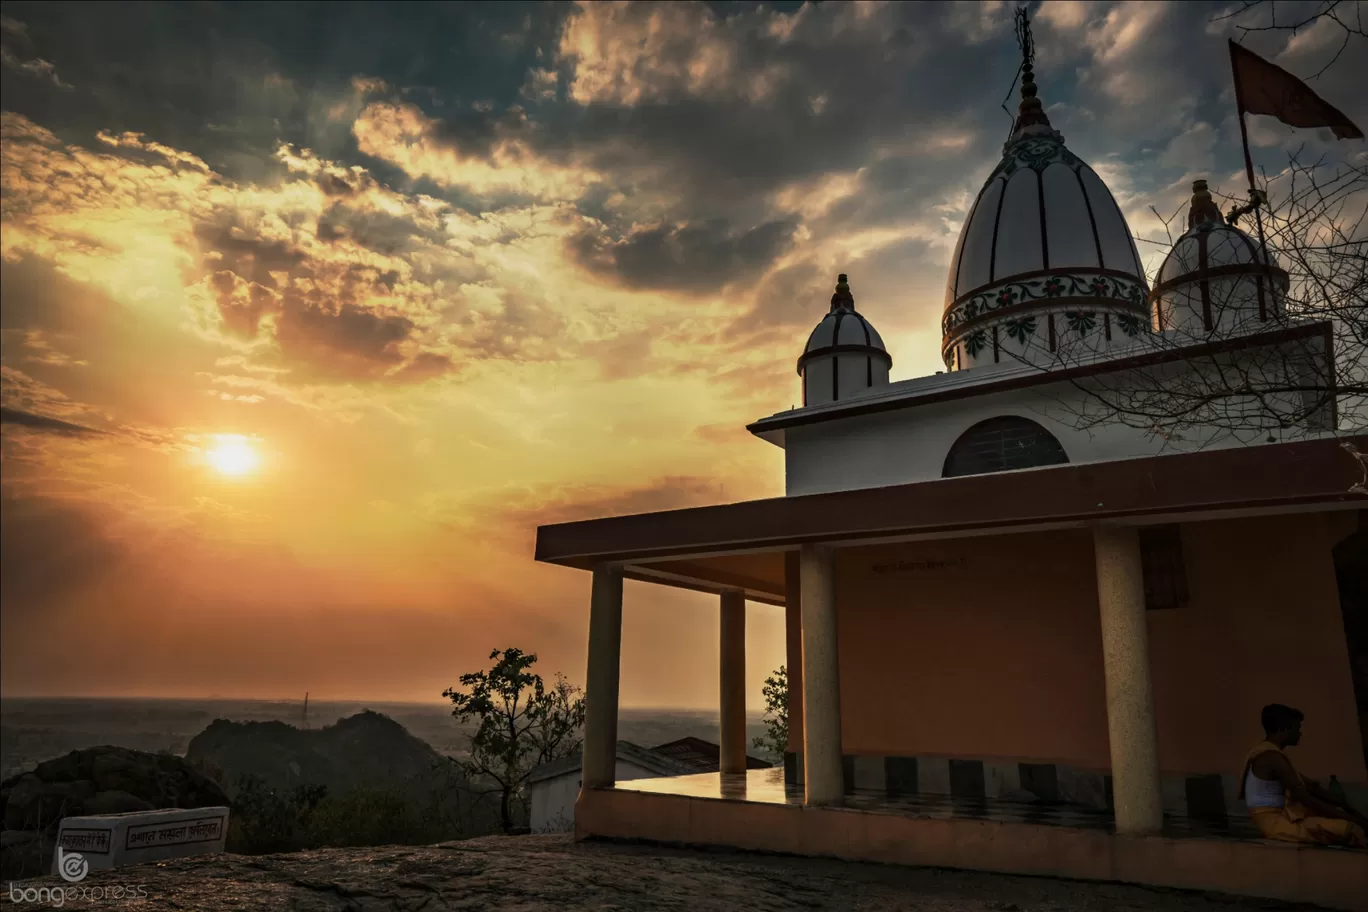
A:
[(1265, 88)]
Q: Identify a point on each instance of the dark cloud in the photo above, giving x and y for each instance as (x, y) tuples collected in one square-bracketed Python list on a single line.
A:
[(251, 257), (37, 295), (424, 366), (699, 258), (42, 422), (48, 550), (381, 232), (229, 82), (346, 337), (840, 92), (796, 295), (322, 321)]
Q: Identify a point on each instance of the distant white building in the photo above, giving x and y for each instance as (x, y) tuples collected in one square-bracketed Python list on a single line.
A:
[(555, 786)]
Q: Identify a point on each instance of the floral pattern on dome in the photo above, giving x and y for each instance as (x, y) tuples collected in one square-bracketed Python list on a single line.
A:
[(1036, 153), (1126, 291)]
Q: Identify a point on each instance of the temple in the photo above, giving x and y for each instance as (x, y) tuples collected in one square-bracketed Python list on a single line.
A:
[(1017, 641)]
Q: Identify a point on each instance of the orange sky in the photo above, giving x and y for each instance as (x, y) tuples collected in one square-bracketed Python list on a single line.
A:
[(440, 310)]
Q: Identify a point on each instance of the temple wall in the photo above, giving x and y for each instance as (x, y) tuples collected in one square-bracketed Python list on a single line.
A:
[(909, 444), (989, 648)]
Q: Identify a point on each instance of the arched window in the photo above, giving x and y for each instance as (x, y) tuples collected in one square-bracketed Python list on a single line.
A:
[(1002, 444)]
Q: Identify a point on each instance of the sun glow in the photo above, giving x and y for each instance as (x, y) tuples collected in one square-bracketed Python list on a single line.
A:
[(232, 455)]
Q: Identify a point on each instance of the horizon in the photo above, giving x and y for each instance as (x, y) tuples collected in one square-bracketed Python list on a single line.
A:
[(365, 702)]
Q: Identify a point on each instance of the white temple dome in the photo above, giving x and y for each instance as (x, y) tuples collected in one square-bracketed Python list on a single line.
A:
[(844, 354), (1215, 280), (1045, 257)]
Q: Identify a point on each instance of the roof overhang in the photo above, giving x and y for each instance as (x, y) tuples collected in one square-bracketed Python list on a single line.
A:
[(952, 386), (703, 547)]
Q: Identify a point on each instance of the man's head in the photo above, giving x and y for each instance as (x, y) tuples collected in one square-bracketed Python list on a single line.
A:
[(1282, 724)]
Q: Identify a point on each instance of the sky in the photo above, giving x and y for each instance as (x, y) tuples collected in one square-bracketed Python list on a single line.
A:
[(312, 313)]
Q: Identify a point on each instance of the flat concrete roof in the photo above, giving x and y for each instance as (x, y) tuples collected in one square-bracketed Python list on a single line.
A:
[(1263, 478), (951, 385)]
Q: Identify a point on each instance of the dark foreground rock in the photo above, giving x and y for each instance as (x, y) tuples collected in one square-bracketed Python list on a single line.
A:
[(554, 874), (97, 780)]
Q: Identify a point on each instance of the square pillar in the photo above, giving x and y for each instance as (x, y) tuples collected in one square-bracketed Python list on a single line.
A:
[(601, 683), (793, 663), (1131, 730), (823, 778), (732, 737)]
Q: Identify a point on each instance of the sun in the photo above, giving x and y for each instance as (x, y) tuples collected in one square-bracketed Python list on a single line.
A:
[(233, 455)]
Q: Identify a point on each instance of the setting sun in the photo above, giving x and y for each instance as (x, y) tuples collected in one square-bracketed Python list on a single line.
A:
[(233, 456)]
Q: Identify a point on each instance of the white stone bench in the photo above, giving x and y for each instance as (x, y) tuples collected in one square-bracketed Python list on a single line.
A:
[(115, 840)]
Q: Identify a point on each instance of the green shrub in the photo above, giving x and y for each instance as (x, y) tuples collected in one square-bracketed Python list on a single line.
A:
[(266, 821)]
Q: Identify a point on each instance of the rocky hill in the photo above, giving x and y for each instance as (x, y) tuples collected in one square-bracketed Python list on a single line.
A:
[(367, 750), (553, 874)]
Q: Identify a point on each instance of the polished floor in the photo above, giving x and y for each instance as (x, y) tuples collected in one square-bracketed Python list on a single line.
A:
[(767, 786)]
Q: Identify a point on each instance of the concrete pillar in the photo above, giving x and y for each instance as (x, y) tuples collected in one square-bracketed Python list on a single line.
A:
[(601, 687), (1130, 702), (793, 653), (822, 770), (733, 690)]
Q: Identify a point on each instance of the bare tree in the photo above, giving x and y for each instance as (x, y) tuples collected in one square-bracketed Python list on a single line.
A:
[(1292, 365), (1295, 365)]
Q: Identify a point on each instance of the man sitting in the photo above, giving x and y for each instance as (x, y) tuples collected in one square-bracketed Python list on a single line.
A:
[(1285, 806)]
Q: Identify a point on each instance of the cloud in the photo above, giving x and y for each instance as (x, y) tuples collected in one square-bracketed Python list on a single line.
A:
[(1192, 149), (490, 160), (42, 422), (699, 258), (631, 53), (1064, 15), (32, 402), (36, 66), (349, 338)]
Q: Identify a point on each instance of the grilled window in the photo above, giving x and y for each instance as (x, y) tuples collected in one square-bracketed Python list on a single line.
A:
[(1161, 561), (1002, 444)]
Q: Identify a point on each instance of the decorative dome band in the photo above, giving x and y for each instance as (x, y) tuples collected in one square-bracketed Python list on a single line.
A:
[(1048, 289)]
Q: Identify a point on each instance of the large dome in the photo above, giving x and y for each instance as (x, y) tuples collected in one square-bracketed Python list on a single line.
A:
[(1215, 280), (1044, 260), (844, 354)]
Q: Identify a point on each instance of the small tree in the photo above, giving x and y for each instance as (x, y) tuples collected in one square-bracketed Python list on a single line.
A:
[(522, 724), (775, 739)]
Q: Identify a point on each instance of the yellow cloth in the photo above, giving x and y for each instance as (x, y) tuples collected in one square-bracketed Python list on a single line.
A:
[(1294, 822)]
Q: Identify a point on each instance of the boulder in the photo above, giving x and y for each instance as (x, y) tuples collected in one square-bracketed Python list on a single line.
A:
[(114, 801), (97, 780), (25, 853)]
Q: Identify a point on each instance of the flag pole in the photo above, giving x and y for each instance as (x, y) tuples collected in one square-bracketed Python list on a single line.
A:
[(1255, 194)]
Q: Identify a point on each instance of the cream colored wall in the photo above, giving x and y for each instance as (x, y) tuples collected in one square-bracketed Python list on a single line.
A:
[(990, 648), (553, 800)]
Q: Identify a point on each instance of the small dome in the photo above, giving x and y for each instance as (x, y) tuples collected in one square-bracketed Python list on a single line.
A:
[(1044, 258), (844, 355), (1215, 279)]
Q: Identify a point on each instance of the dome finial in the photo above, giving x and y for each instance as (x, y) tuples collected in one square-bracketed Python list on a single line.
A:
[(1204, 210), (1029, 112), (842, 297)]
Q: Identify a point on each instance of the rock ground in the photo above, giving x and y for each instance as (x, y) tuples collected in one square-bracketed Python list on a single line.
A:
[(546, 873)]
